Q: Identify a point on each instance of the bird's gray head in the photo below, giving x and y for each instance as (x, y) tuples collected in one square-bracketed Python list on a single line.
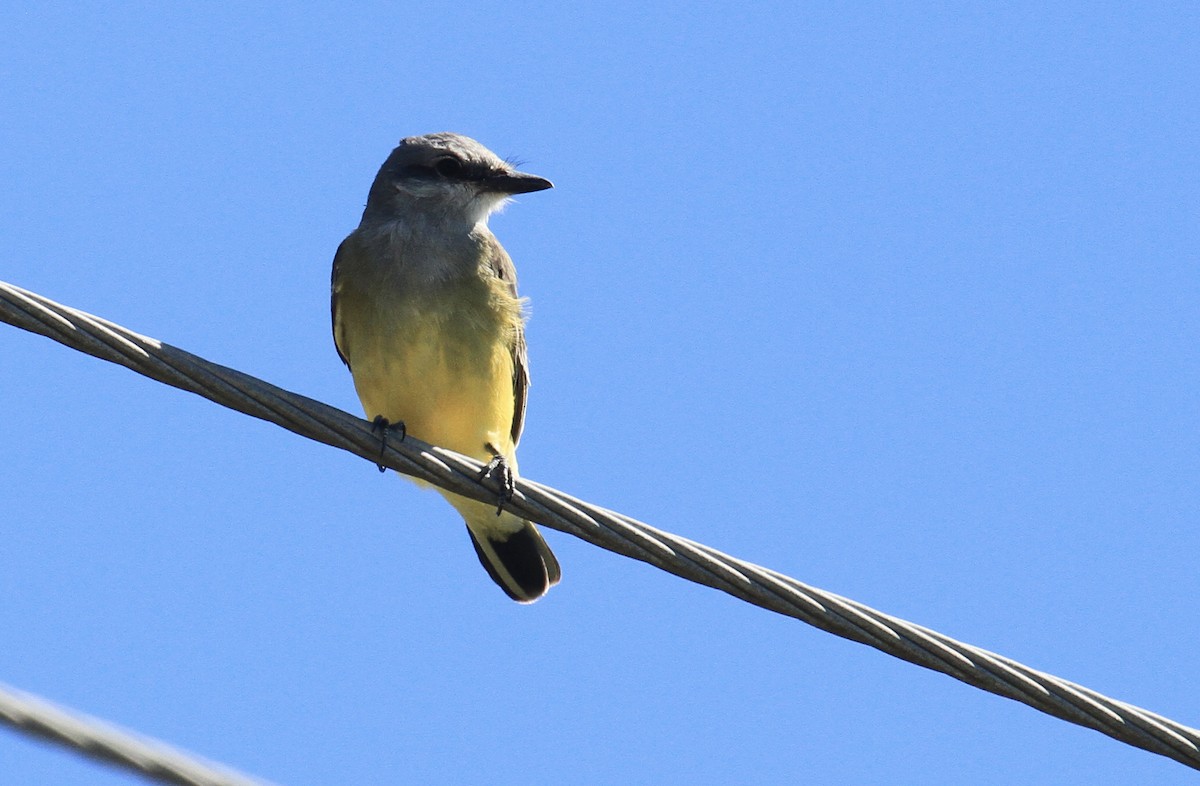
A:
[(446, 176)]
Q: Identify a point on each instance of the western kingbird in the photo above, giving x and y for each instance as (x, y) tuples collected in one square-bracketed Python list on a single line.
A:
[(427, 318)]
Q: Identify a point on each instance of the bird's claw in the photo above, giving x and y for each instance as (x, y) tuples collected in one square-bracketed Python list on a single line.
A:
[(382, 426), (498, 469)]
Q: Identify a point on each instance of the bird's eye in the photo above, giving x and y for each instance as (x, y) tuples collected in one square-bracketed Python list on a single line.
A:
[(449, 167)]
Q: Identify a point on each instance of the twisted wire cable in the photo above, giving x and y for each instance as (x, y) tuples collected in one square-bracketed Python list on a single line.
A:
[(606, 529), (153, 759)]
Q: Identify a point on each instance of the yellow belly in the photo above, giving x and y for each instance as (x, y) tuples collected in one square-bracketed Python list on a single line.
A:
[(448, 388)]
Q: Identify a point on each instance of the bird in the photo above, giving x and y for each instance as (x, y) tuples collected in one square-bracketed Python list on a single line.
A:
[(427, 318)]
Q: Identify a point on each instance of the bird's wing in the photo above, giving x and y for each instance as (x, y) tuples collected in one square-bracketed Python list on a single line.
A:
[(345, 250), (502, 268)]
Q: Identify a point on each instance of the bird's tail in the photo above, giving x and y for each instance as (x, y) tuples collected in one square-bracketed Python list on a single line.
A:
[(511, 549)]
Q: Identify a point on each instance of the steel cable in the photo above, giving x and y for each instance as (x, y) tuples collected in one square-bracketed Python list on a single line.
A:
[(606, 529)]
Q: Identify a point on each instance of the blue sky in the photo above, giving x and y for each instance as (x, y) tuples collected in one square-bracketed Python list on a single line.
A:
[(902, 302)]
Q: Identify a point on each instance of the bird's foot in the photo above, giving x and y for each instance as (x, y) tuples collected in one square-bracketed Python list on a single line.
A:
[(499, 470), (382, 426)]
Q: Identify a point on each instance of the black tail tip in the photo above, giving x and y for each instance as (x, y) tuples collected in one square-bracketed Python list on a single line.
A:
[(522, 565)]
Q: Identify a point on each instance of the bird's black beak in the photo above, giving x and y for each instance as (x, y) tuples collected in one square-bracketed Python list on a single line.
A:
[(515, 183)]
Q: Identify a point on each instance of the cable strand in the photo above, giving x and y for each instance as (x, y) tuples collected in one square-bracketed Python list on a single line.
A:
[(105, 742)]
